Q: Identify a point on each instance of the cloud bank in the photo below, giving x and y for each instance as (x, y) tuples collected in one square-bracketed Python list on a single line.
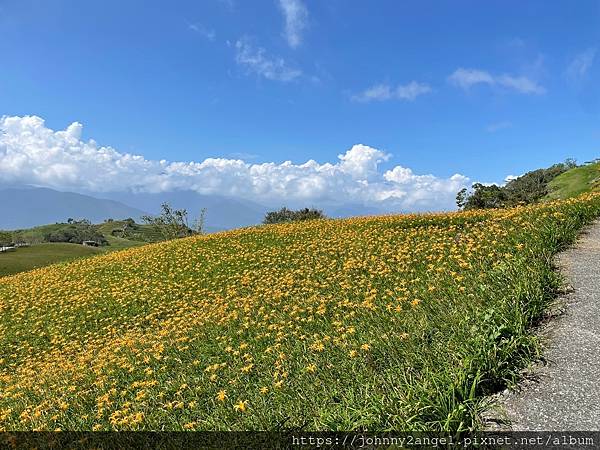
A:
[(31, 153), (466, 78)]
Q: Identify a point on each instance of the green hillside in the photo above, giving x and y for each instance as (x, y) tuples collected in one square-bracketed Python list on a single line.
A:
[(135, 234), (39, 255), (376, 323), (575, 181), (42, 253)]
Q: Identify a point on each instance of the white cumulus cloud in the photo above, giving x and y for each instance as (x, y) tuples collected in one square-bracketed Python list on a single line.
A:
[(382, 92), (466, 78), (510, 178), (32, 153), (256, 60), (295, 15)]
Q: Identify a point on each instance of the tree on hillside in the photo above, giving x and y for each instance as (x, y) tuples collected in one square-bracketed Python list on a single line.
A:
[(288, 215), (198, 225), (533, 185), (482, 197), (526, 189), (6, 238), (173, 223)]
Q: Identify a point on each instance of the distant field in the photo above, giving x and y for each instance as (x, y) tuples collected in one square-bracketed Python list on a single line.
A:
[(43, 254), (379, 323), (39, 255)]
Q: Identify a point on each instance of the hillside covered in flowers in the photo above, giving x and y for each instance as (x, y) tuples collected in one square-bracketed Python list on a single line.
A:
[(377, 323)]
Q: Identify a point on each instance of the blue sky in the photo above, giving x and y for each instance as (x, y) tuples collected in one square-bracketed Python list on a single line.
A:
[(483, 89)]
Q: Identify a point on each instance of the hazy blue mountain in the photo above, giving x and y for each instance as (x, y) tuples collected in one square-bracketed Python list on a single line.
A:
[(221, 212), (226, 212), (25, 207)]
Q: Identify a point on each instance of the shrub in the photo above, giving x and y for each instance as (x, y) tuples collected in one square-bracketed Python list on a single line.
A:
[(288, 215)]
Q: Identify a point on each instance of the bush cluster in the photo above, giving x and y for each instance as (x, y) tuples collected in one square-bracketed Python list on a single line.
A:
[(289, 215), (76, 233)]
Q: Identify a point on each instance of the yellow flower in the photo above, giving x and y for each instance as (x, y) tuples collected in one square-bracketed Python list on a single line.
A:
[(353, 353), (240, 406), (317, 347), (311, 368), (221, 395), (365, 347), (264, 390)]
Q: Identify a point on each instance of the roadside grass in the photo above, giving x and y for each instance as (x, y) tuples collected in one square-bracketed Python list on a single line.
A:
[(575, 182), (381, 323), (39, 255)]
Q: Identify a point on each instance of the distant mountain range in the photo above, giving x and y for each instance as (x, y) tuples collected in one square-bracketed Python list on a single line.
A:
[(222, 212), (25, 207)]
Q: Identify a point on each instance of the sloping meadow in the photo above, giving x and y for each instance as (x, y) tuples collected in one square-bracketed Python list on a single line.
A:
[(381, 323)]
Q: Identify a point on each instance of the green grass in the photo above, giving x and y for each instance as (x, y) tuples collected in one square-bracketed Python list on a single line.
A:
[(39, 255), (116, 243), (575, 182)]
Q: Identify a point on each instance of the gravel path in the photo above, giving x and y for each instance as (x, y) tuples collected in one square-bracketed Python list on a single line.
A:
[(565, 394)]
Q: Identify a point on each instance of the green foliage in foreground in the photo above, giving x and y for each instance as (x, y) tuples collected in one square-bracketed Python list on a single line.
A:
[(39, 255), (381, 323)]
